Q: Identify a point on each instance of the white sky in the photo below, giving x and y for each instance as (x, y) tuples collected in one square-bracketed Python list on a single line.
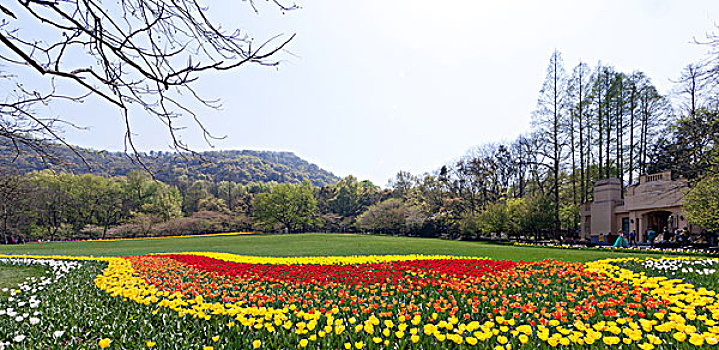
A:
[(373, 87)]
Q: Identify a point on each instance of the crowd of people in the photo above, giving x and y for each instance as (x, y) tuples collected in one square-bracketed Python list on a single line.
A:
[(662, 239)]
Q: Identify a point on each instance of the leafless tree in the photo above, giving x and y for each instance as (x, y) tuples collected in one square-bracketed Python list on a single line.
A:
[(21, 126), (690, 86), (137, 55), (550, 120), (710, 69)]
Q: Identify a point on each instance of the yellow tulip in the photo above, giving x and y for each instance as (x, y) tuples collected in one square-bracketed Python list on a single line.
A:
[(680, 337)]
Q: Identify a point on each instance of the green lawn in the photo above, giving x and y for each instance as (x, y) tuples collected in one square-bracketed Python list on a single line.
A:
[(311, 244)]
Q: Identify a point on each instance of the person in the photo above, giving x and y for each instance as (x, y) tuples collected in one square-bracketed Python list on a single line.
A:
[(633, 238), (659, 238), (651, 235), (670, 236), (621, 242), (601, 238), (705, 236)]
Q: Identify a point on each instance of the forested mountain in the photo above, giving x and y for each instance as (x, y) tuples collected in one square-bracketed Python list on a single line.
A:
[(241, 167)]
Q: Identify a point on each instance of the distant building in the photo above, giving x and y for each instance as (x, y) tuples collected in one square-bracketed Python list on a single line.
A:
[(653, 203)]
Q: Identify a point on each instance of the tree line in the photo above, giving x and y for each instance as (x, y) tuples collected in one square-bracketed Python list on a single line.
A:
[(590, 123), (45, 205)]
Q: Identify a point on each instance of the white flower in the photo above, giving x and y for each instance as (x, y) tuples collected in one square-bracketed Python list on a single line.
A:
[(18, 338), (34, 320), (58, 334), (19, 319)]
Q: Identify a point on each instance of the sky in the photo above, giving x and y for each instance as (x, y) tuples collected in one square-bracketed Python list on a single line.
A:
[(372, 87)]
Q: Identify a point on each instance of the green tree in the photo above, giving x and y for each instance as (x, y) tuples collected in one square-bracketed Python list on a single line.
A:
[(293, 206), (51, 202), (470, 224), (388, 216), (198, 191), (503, 216), (213, 204), (702, 203), (165, 202), (149, 196), (494, 218), (536, 216), (568, 215), (516, 207), (108, 203), (232, 194), (13, 203), (347, 198), (86, 193)]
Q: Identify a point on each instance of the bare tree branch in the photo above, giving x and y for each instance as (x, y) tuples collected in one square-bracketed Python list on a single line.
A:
[(130, 53)]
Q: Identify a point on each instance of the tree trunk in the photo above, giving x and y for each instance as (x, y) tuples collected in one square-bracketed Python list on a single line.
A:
[(573, 172), (581, 138), (555, 137), (600, 120), (632, 106), (620, 134)]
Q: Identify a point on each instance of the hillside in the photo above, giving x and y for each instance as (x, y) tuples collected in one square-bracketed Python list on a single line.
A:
[(238, 166)]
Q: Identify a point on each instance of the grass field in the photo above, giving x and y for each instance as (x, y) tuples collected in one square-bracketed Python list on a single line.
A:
[(194, 301), (310, 244)]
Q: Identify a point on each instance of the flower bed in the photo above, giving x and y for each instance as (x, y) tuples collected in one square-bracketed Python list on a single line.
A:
[(225, 301), (635, 250)]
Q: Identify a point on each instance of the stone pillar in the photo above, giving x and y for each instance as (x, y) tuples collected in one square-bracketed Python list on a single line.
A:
[(607, 193)]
